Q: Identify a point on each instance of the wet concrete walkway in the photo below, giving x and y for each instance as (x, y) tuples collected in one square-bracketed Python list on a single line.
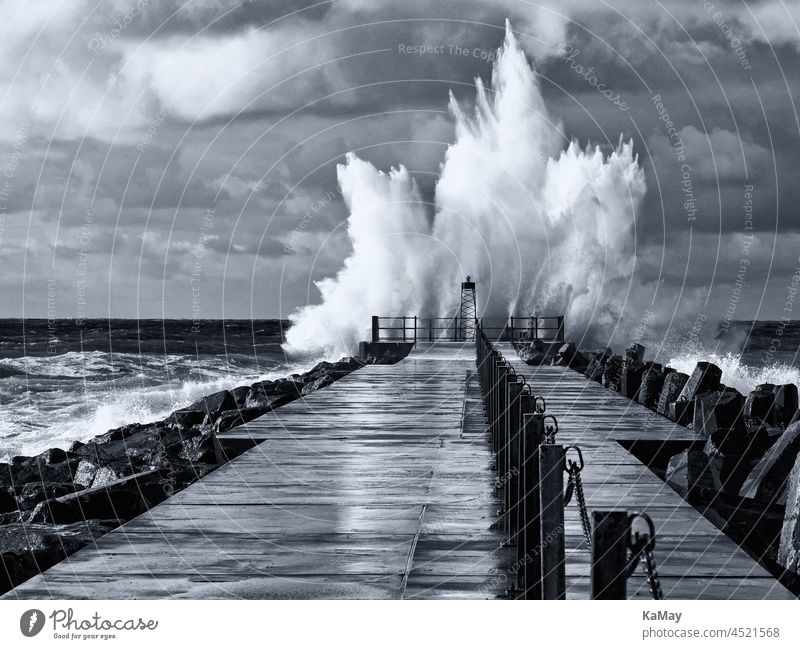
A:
[(376, 487), (696, 560)]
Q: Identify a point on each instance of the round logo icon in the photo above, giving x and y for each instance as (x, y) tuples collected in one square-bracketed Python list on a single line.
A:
[(31, 622)]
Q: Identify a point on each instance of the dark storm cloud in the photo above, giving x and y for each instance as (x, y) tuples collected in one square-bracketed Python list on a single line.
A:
[(149, 116)]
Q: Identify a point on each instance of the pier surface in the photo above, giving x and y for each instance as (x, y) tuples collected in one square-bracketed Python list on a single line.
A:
[(695, 559), (376, 487), (380, 486)]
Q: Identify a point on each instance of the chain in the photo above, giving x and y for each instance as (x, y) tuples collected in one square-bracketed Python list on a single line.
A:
[(642, 546), (652, 574), (575, 485)]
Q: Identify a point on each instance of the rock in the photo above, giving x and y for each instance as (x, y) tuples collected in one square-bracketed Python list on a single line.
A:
[(75, 446), (632, 372), (288, 387), (673, 384), (29, 495), (705, 378), (650, 387), (789, 547), (767, 481), (761, 409), (265, 397), (35, 470), (54, 456), (28, 549), (321, 382), (635, 353), (240, 395), (720, 415), (682, 412), (531, 353), (121, 499), (383, 353), (199, 449), (7, 501), (597, 362), (688, 473), (569, 356), (124, 432), (233, 418), (727, 470), (207, 408), (786, 400), (84, 475), (612, 374)]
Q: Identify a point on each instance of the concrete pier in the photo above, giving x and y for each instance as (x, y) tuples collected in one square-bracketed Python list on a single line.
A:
[(381, 486)]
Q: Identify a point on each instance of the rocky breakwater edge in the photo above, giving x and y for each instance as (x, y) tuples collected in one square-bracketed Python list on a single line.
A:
[(54, 503), (743, 473)]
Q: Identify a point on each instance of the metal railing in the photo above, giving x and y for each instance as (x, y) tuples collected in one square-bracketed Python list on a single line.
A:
[(515, 328), (530, 468)]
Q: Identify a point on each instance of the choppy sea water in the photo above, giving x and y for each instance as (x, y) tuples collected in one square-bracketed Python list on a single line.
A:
[(63, 381)]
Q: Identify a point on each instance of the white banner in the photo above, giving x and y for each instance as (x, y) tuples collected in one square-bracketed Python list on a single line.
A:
[(414, 623)]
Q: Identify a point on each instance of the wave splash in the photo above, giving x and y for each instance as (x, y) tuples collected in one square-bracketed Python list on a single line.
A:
[(544, 225)]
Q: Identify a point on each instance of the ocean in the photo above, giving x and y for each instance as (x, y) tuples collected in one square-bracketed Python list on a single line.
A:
[(61, 381)]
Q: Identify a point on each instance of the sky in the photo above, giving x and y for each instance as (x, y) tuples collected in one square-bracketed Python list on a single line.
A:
[(178, 159)]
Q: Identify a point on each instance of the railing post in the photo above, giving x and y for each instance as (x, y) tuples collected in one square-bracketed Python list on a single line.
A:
[(512, 329), (511, 438), (610, 534), (551, 504), (536, 327), (375, 329), (528, 518), (415, 330), (430, 330), (560, 333)]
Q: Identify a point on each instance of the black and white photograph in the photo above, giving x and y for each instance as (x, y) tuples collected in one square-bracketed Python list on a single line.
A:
[(312, 303)]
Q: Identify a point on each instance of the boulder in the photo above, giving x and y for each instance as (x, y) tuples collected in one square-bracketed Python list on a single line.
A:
[(121, 499), (232, 418), (597, 362), (727, 470), (28, 549), (199, 449), (705, 378), (323, 381), (240, 395), (673, 384), (29, 495), (531, 353), (786, 401), (682, 412), (767, 481), (266, 397), (75, 446), (8, 503), (632, 371), (635, 353), (720, 415), (762, 409), (124, 432), (206, 409), (651, 384), (612, 374), (689, 474), (35, 470), (383, 353), (569, 356), (789, 547)]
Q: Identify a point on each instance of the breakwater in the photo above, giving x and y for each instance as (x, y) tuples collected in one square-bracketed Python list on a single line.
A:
[(741, 471), (58, 501)]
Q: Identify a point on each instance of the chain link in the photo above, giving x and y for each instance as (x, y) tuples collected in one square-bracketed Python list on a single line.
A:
[(575, 485), (642, 546)]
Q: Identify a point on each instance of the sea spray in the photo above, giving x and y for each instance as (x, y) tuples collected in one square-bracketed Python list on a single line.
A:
[(535, 223)]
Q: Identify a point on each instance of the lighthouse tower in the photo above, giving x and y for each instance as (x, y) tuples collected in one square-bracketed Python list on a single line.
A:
[(468, 311)]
